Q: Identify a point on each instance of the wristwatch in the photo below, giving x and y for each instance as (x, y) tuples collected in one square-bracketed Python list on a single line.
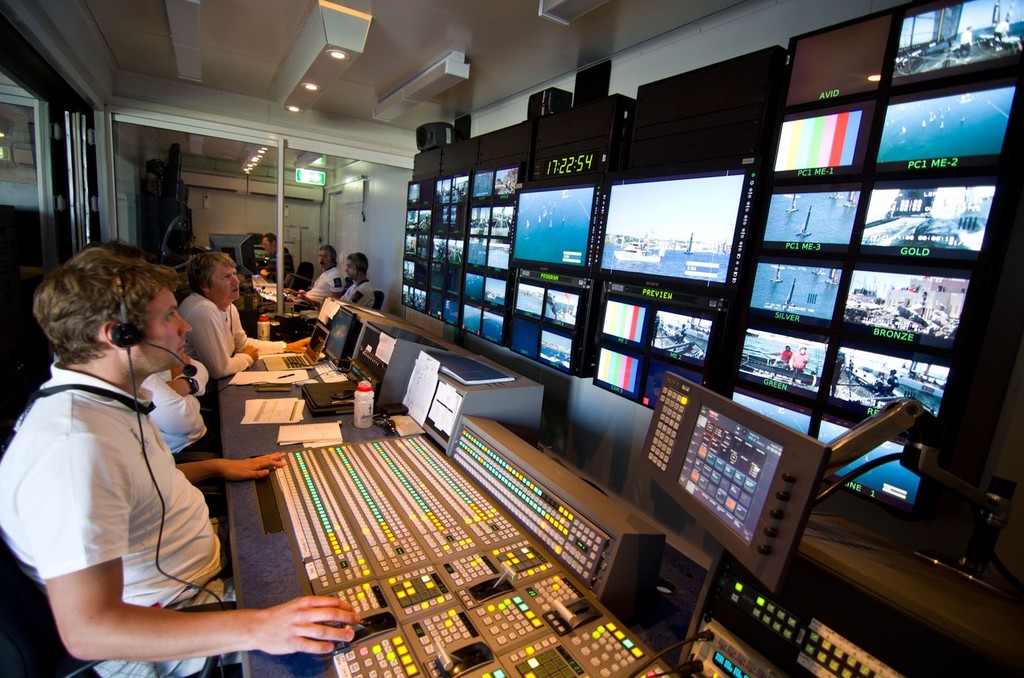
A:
[(193, 385)]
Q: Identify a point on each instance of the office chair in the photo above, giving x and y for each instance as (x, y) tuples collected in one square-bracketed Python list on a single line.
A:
[(302, 278), (29, 643), (378, 299)]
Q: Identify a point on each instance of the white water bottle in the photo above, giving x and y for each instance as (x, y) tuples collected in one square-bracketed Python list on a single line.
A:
[(362, 409), (263, 328)]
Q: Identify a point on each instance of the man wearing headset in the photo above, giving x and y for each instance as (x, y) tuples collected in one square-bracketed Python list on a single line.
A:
[(91, 502), (330, 283)]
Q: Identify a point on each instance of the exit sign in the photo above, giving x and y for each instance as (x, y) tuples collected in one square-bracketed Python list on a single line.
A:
[(308, 176)]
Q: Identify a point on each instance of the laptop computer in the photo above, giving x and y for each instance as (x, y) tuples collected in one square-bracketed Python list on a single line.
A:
[(298, 361)]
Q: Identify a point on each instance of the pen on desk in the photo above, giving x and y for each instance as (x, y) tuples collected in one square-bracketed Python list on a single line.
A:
[(285, 376)]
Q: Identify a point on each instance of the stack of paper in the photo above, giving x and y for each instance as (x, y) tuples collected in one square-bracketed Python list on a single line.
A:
[(310, 434), (273, 410)]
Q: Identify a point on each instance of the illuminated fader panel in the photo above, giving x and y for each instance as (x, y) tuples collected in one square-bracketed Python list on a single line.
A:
[(445, 580)]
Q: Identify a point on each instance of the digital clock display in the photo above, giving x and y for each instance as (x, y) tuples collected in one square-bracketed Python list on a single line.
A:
[(565, 165)]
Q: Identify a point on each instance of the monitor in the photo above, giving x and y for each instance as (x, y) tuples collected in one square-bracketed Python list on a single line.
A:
[(450, 312), (824, 143), (619, 371), (681, 335), (505, 181), (561, 307), (553, 228), (791, 363), (625, 321), (525, 337), (529, 299), (480, 221), (556, 349), (460, 188), (501, 220), (838, 62), (796, 290), (473, 287), (241, 247), (794, 416), (492, 326), (498, 255), (812, 219), (476, 252), (890, 484), (906, 306), (747, 480), (341, 339), (946, 130), (472, 317), (483, 184), (866, 378), (934, 219), (495, 291), (414, 298), (443, 190), (956, 36), (413, 193), (673, 229)]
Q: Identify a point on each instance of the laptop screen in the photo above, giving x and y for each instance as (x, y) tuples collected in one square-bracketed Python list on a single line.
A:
[(341, 337)]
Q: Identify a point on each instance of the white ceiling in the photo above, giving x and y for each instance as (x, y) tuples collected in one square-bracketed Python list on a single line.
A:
[(508, 46), (510, 49)]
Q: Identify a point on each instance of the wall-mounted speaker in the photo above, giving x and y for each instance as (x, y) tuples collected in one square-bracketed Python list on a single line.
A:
[(434, 134), (548, 101)]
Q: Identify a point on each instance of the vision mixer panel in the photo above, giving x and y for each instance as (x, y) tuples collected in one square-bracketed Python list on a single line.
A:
[(445, 580)]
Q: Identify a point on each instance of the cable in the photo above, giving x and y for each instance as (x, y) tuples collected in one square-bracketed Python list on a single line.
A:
[(686, 668), (855, 473), (163, 506), (702, 635)]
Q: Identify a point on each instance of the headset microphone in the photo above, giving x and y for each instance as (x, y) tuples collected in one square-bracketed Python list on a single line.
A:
[(186, 369)]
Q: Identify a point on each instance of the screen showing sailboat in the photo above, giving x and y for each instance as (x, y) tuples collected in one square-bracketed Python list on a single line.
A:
[(673, 229), (812, 219), (796, 294)]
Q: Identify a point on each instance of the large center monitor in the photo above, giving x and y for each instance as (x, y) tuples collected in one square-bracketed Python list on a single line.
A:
[(673, 229), (746, 479)]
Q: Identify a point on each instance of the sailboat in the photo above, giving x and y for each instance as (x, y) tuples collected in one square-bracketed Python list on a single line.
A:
[(803, 232), (792, 205)]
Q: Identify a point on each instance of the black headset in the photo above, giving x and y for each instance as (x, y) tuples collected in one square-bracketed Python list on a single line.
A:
[(124, 334)]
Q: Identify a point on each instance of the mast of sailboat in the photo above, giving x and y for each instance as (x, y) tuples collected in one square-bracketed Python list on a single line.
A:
[(791, 288), (807, 220)]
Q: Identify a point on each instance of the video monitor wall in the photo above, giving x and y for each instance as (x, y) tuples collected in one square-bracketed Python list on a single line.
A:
[(639, 339), (875, 256), (488, 252), (416, 256), (448, 247), (551, 319)]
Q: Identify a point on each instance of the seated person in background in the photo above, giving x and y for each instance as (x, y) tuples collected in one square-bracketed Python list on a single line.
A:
[(329, 284), (217, 338), (269, 267), (90, 495), (360, 292), (176, 397)]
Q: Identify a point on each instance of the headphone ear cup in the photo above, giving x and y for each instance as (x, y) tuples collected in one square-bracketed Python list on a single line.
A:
[(125, 335)]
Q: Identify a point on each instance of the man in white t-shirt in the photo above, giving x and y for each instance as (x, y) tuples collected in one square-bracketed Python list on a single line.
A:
[(217, 338), (330, 283), (360, 292), (90, 495)]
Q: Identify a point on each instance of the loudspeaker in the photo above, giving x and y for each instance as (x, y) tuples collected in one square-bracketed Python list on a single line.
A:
[(124, 334), (434, 134), (592, 83), (548, 101)]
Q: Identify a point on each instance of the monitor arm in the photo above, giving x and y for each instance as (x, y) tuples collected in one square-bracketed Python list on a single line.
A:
[(991, 509)]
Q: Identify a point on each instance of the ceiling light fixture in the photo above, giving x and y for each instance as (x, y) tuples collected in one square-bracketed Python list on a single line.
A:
[(186, 37), (566, 11), (332, 37), (450, 70)]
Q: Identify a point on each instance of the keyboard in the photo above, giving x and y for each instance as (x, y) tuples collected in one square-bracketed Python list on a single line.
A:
[(329, 374)]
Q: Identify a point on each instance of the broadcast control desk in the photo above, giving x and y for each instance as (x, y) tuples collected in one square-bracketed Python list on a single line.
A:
[(469, 564)]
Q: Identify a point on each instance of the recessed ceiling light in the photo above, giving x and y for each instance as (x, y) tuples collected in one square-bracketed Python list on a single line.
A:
[(293, 109), (262, 151), (311, 86), (874, 78), (337, 54)]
